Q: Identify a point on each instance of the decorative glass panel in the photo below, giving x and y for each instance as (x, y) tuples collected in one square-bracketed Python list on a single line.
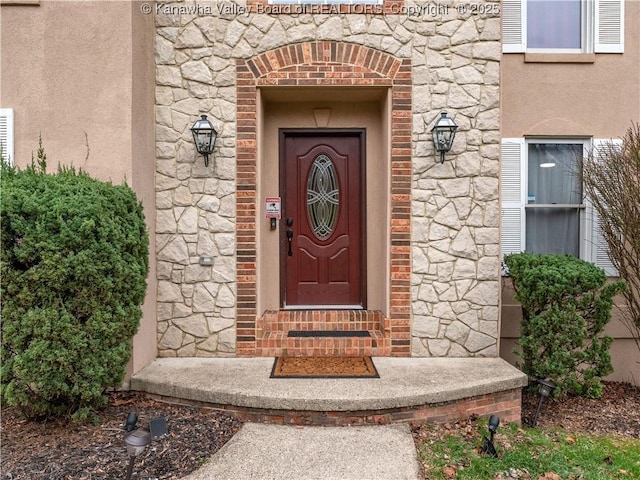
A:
[(323, 197)]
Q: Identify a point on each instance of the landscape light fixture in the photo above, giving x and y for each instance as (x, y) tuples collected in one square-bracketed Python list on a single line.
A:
[(136, 442), (544, 389), (158, 427), (487, 445), (130, 424), (443, 133), (204, 136)]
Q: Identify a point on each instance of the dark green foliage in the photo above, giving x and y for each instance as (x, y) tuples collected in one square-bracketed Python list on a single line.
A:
[(74, 267), (566, 304)]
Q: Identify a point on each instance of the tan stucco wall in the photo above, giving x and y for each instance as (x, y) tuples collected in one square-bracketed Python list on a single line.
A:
[(598, 99), (142, 158), (348, 108), (81, 75), (625, 354)]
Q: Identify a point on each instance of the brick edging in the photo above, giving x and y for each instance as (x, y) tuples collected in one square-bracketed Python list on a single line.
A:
[(506, 404)]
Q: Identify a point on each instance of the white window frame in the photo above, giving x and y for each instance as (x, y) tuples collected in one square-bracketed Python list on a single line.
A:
[(514, 194), (602, 28), (7, 133)]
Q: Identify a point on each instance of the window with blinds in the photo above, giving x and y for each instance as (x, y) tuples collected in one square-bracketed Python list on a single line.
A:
[(563, 26)]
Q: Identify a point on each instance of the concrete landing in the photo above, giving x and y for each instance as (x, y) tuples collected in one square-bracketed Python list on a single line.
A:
[(408, 389)]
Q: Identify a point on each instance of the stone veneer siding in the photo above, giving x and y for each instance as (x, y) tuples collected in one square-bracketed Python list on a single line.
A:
[(444, 218)]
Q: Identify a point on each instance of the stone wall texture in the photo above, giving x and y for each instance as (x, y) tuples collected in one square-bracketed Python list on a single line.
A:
[(455, 56)]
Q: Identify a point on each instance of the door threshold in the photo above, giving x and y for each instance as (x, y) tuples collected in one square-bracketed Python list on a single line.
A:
[(322, 307)]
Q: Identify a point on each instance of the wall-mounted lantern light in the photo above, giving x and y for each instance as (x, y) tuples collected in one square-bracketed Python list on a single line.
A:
[(204, 136), (444, 132)]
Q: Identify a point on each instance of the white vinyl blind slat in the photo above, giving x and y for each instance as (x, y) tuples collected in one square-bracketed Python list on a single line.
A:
[(6, 133), (600, 249), (609, 26), (513, 26), (512, 208)]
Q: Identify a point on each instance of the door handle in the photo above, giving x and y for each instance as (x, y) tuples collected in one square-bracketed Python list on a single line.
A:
[(289, 221), (289, 240)]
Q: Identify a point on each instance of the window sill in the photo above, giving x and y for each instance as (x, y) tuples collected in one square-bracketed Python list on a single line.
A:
[(20, 3), (577, 206), (559, 58)]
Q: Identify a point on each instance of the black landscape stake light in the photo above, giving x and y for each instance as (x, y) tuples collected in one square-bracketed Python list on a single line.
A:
[(545, 389), (487, 445), (130, 424), (204, 136), (136, 441), (443, 133)]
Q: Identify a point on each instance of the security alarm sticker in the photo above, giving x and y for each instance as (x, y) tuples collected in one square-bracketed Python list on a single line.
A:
[(272, 207)]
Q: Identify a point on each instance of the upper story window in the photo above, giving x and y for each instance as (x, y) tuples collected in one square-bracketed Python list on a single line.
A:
[(559, 25), (563, 26)]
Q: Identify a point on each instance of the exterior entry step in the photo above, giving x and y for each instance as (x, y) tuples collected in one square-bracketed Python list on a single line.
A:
[(299, 333), (328, 333)]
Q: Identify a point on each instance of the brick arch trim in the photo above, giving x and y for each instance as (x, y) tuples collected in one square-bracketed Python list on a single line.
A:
[(323, 64)]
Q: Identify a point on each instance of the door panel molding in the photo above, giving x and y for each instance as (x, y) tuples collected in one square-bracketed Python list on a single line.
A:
[(334, 283)]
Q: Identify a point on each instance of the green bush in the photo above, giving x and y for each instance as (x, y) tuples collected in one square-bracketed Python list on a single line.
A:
[(74, 264), (566, 304)]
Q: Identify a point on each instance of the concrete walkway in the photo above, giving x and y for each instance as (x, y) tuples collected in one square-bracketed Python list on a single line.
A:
[(408, 387), (277, 452)]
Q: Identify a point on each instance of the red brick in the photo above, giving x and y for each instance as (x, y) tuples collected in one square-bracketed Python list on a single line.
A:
[(326, 63)]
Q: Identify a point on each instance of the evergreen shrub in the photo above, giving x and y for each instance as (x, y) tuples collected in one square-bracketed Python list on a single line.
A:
[(74, 264), (566, 304)]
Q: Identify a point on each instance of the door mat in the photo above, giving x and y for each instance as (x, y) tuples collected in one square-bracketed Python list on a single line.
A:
[(328, 333), (324, 367)]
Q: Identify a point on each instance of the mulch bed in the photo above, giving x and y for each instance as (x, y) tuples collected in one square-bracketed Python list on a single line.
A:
[(63, 451), (617, 411)]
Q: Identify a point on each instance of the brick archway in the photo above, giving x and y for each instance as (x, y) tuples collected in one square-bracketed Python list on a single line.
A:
[(324, 63)]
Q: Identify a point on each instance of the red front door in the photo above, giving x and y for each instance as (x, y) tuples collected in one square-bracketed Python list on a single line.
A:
[(322, 225)]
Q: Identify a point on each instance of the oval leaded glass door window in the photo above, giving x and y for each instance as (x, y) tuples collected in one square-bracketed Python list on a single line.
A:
[(323, 197)]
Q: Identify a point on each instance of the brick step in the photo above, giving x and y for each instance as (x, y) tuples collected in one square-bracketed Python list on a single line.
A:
[(278, 343), (328, 333), (285, 320), (273, 327)]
